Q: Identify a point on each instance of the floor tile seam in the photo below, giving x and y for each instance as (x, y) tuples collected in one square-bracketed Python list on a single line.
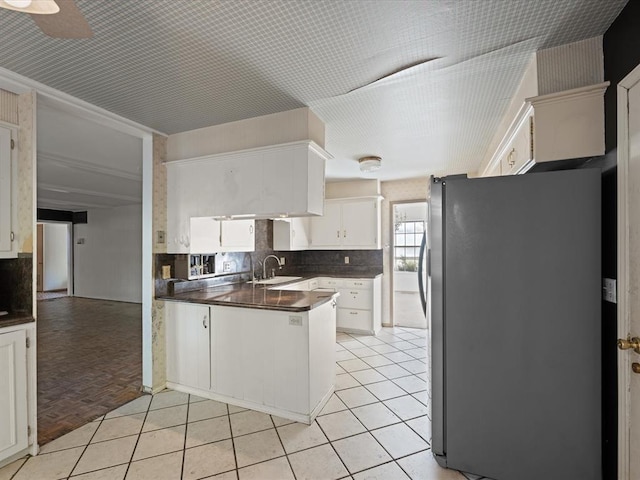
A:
[(156, 429), (286, 454), (72, 476), (335, 451), (208, 418), (133, 452), (233, 443), (168, 406), (84, 450), (250, 433), (19, 468), (184, 443)]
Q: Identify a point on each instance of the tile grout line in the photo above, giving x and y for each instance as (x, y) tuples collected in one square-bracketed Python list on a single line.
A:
[(286, 454), (184, 443), (133, 452)]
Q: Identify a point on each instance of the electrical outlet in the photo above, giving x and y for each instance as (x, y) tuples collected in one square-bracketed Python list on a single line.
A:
[(609, 291), (226, 266), (282, 260), (346, 259), (295, 320), (166, 272), (160, 236)]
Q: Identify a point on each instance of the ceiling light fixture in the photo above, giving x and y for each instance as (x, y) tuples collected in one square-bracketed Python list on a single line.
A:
[(370, 164), (39, 7)]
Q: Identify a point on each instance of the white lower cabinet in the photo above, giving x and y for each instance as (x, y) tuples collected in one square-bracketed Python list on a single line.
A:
[(277, 362), (188, 344), (14, 427), (359, 304)]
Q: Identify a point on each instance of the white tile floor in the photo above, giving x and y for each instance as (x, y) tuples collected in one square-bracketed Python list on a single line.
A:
[(376, 426)]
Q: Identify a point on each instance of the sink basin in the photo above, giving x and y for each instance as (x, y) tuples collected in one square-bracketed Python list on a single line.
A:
[(276, 280)]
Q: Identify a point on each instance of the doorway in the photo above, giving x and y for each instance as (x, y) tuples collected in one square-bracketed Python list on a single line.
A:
[(54, 261), (409, 227)]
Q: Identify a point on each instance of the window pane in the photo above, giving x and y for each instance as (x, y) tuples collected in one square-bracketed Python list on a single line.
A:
[(410, 226), (400, 239), (420, 227)]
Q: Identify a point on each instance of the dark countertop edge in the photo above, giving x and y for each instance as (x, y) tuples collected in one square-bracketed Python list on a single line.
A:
[(283, 308), (13, 320)]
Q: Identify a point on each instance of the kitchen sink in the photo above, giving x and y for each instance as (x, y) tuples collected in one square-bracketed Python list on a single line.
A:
[(276, 280)]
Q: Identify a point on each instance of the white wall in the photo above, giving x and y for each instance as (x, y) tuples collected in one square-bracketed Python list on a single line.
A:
[(55, 256), (108, 265)]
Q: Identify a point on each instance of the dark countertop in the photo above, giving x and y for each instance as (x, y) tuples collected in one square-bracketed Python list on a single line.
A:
[(248, 295), (15, 319)]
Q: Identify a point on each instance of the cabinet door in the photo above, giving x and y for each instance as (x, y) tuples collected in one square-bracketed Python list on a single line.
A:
[(237, 235), (187, 333), (326, 231), (13, 393), (360, 224), (205, 235), (520, 150), (6, 199)]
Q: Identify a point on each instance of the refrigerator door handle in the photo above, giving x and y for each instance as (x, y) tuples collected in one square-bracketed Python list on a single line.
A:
[(421, 286)]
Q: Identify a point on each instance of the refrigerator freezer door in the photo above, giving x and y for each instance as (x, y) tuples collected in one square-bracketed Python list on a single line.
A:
[(522, 326)]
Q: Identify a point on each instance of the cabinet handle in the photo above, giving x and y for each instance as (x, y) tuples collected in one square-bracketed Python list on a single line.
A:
[(354, 293), (353, 313), (511, 157), (345, 234), (250, 228), (338, 233), (13, 236), (204, 322)]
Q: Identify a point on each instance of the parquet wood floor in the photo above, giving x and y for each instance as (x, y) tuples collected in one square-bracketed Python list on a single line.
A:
[(89, 361)]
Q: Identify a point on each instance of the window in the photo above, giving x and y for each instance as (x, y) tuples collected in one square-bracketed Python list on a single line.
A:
[(408, 237)]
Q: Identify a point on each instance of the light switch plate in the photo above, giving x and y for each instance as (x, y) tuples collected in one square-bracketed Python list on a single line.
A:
[(295, 320), (160, 236), (346, 259), (609, 290)]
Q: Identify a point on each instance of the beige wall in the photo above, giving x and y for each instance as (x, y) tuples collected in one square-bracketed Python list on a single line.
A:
[(26, 171), (159, 224), (393, 191)]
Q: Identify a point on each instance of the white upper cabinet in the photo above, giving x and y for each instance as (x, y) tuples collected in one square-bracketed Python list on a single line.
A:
[(8, 245), (265, 182), (557, 126), (352, 224), (208, 235), (237, 235), (326, 231), (291, 234)]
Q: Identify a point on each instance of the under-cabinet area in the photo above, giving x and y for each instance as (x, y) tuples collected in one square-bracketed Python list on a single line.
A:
[(279, 362)]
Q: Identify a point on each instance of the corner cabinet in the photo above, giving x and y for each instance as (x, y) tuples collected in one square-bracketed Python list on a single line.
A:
[(14, 431), (8, 197), (291, 234), (558, 126), (352, 224)]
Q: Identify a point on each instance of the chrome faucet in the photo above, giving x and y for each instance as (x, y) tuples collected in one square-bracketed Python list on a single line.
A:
[(273, 270)]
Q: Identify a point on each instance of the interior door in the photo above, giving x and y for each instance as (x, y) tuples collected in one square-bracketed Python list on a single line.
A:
[(629, 275)]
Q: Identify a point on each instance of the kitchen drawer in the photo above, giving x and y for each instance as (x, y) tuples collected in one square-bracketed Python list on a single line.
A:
[(355, 298), (326, 282), (358, 283), (313, 284), (353, 319)]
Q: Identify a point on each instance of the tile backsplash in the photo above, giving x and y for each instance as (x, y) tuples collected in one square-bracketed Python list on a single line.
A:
[(304, 262), (16, 284)]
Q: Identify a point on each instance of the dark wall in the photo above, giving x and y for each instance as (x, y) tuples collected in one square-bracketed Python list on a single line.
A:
[(621, 55)]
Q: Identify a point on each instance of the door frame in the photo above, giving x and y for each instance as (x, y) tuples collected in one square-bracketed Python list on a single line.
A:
[(392, 251), (624, 320)]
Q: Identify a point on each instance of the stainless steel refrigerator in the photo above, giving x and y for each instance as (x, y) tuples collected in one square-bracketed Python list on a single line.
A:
[(515, 325)]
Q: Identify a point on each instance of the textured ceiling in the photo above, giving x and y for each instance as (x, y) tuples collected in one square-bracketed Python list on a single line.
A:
[(176, 65)]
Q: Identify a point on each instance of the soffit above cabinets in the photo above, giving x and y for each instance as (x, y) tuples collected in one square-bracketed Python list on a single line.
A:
[(424, 84)]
